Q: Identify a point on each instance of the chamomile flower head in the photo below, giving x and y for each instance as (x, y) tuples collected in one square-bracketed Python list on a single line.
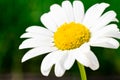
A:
[(69, 33)]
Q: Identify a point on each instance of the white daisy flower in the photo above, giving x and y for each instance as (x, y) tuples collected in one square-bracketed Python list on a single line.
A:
[(69, 33)]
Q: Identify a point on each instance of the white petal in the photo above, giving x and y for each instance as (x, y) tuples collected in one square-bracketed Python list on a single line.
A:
[(59, 70), (105, 19), (104, 42), (89, 15), (67, 7), (46, 19), (78, 9), (30, 43), (59, 66), (86, 57), (29, 35), (115, 20), (84, 47), (39, 30), (81, 57), (69, 60), (58, 15), (36, 52), (94, 13), (108, 31), (36, 35), (94, 64), (49, 61)]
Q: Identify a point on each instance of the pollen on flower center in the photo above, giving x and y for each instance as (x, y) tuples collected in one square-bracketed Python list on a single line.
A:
[(71, 35)]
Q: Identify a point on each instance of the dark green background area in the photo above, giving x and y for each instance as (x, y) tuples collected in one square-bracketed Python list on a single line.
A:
[(17, 15)]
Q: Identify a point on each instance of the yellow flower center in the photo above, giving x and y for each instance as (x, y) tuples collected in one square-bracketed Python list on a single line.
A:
[(71, 35)]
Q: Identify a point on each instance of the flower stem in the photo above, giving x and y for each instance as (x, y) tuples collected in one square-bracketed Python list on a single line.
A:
[(82, 71)]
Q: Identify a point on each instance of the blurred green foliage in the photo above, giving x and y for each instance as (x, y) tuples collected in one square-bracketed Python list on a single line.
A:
[(17, 15)]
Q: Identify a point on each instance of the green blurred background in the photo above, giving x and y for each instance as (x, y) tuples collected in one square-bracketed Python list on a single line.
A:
[(17, 15)]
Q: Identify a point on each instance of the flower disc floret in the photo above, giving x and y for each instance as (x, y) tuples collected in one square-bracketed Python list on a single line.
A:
[(71, 35)]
